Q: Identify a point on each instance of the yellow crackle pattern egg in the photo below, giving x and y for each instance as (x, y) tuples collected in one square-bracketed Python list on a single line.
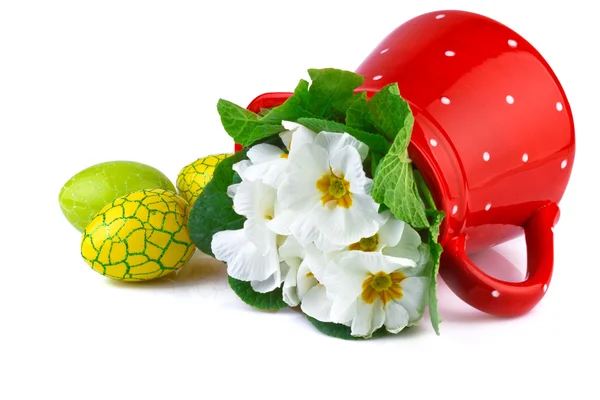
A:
[(138, 237), (193, 178)]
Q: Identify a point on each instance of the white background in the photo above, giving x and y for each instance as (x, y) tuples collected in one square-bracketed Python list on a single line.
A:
[(84, 82)]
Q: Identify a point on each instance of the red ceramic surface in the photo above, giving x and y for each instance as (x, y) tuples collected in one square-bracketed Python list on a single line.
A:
[(493, 136)]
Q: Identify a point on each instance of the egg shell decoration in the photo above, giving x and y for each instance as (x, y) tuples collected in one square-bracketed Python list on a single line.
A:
[(138, 237), (194, 177), (91, 189)]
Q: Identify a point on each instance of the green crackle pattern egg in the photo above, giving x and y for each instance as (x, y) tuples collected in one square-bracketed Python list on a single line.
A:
[(194, 177), (138, 237), (91, 189)]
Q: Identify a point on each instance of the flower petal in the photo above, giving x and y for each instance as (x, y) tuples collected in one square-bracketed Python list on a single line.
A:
[(334, 142), (282, 222), (346, 162), (342, 312), (292, 252), (271, 173), (257, 232), (269, 284), (396, 317), (368, 318), (343, 226), (254, 200), (325, 245), (316, 261), (391, 231), (304, 228), (414, 297), (244, 260), (262, 153), (290, 288), (300, 136), (407, 247), (299, 191), (306, 279), (345, 275), (240, 167), (232, 190), (286, 137), (316, 304)]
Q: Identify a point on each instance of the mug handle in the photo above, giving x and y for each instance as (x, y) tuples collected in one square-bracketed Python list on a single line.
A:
[(497, 297)]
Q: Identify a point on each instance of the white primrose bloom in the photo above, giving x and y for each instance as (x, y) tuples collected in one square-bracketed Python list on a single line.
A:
[(395, 239), (268, 163), (297, 133), (327, 189), (251, 253), (240, 168), (368, 291), (301, 284)]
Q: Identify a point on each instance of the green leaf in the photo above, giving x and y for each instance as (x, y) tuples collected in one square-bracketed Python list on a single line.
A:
[(296, 106), (394, 184), (434, 314), (389, 112), (341, 331), (213, 210), (264, 301), (377, 143), (328, 96), (435, 249), (245, 127), (332, 92), (358, 116)]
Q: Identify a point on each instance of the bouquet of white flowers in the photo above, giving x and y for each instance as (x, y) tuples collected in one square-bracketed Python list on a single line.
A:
[(323, 209)]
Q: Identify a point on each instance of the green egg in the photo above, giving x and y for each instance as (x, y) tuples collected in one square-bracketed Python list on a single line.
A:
[(91, 189)]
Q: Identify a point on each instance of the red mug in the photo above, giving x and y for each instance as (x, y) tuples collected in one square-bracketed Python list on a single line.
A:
[(493, 137)]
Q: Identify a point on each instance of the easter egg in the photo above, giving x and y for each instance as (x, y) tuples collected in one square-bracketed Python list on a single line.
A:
[(91, 189), (139, 236), (194, 177)]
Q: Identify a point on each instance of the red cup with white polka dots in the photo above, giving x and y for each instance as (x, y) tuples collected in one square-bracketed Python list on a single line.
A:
[(493, 137)]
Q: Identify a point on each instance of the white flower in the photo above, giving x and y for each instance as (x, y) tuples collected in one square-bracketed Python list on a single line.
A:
[(296, 133), (369, 291), (329, 192), (268, 163), (246, 262), (302, 282), (251, 253), (395, 239)]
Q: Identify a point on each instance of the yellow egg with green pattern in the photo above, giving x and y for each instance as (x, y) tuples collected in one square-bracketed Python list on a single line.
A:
[(194, 177), (139, 236)]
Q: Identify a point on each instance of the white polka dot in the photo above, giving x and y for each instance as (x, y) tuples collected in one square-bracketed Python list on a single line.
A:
[(525, 157), (495, 293), (563, 164), (486, 156), (384, 51), (445, 100), (559, 106), (450, 53), (545, 288), (512, 43), (440, 16), (377, 77), (433, 142), (488, 206), (454, 210), (510, 99)]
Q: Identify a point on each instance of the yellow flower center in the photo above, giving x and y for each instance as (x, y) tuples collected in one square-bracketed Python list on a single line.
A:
[(382, 285), (283, 155), (369, 244), (335, 189)]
